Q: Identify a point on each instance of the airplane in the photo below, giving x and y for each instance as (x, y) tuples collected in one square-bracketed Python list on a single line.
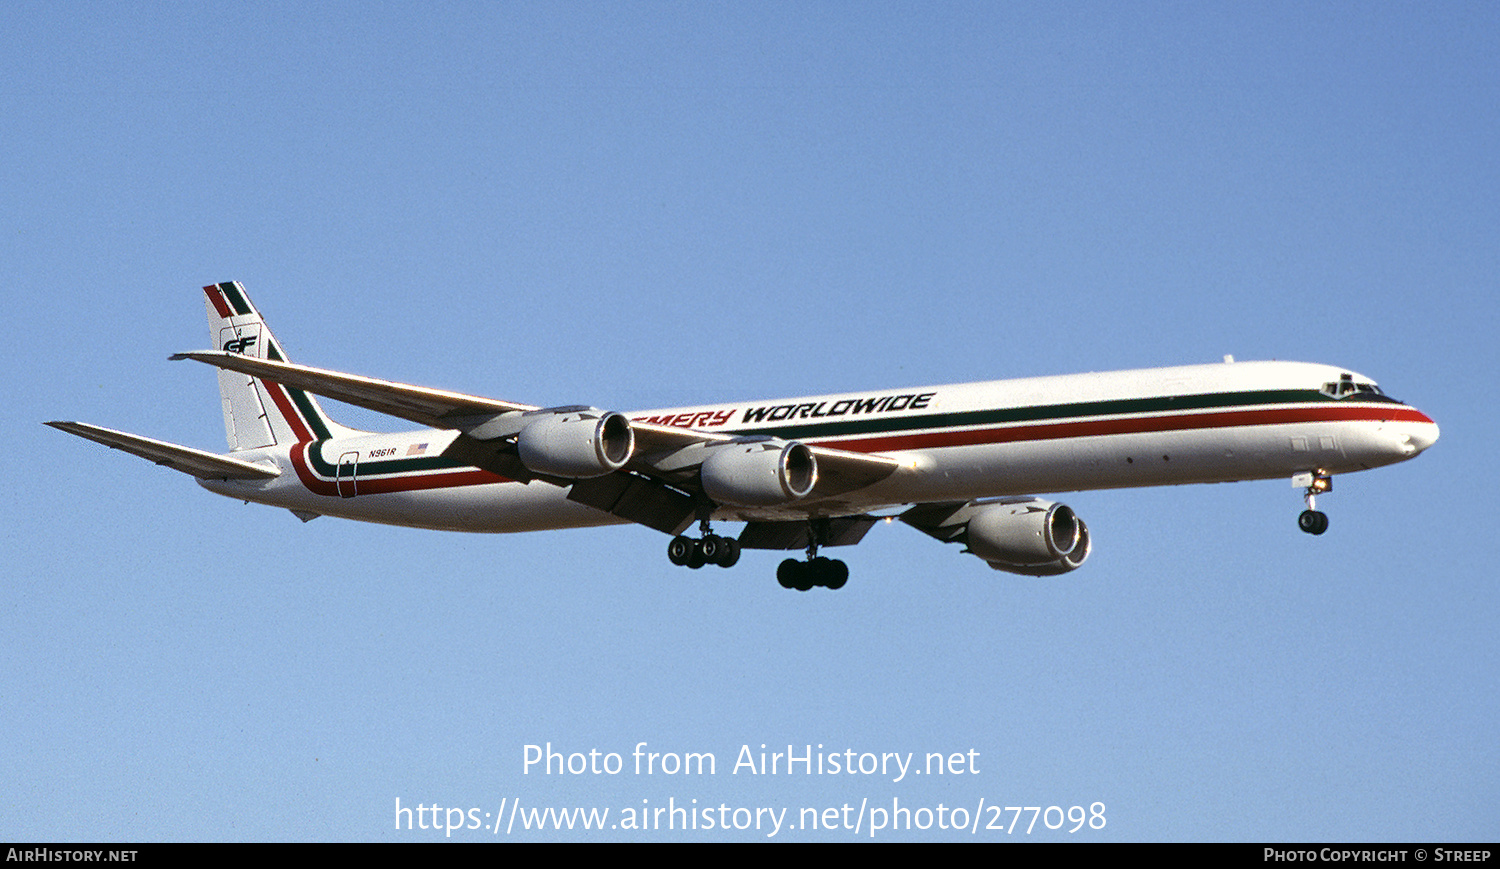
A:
[(957, 462)]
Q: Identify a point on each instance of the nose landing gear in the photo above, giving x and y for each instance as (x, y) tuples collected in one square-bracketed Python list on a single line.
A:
[(1313, 483)]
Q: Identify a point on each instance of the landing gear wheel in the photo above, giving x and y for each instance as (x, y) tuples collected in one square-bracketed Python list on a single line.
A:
[(731, 554), (680, 550), (793, 574), (714, 548), (828, 572), (1313, 521), (806, 576)]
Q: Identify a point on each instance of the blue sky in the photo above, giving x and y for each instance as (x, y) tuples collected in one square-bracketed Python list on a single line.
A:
[(649, 204)]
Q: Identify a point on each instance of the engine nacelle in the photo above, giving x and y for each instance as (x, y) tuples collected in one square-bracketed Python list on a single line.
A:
[(576, 444), (759, 474), (1031, 537)]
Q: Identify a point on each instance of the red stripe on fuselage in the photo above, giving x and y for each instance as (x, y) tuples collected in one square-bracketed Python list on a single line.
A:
[(1135, 425), (445, 480), (367, 486), (310, 480)]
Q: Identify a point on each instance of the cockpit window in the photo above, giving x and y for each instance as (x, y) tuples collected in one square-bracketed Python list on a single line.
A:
[(1346, 386)]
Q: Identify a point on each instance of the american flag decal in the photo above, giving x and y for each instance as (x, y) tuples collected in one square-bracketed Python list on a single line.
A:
[(416, 449)]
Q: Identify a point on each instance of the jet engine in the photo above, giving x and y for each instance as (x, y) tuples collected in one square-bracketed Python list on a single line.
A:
[(1018, 535), (759, 474), (1033, 537), (576, 444)]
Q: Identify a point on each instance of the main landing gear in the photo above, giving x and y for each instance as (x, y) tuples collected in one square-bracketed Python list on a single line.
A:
[(803, 575), (829, 573), (711, 549), (1315, 483)]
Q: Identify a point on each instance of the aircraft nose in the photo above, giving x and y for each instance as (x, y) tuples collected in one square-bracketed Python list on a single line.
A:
[(1423, 436), (1418, 433)]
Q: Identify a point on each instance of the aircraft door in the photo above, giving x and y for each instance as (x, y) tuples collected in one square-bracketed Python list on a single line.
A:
[(348, 465)]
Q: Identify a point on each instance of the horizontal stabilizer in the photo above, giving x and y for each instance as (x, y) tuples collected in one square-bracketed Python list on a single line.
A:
[(199, 463)]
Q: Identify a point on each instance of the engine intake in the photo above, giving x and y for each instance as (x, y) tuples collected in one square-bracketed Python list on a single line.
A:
[(576, 444), (759, 474)]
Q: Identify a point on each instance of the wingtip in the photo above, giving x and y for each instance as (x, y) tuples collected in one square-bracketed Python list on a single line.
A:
[(82, 429)]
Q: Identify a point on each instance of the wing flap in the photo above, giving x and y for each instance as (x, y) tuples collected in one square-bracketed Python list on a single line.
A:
[(637, 499), (835, 531), (198, 463)]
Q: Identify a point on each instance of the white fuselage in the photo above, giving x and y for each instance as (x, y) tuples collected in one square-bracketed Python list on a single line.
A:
[(1151, 427)]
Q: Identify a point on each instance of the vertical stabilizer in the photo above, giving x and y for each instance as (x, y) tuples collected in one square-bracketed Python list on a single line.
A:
[(257, 413)]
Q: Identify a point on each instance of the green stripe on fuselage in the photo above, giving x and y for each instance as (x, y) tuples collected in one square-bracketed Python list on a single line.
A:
[(374, 467), (870, 425), (1044, 413)]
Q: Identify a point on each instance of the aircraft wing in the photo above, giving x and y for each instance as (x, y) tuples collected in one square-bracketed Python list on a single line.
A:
[(435, 408), (199, 463), (654, 489)]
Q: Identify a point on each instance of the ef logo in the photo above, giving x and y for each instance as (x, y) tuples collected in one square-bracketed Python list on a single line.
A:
[(240, 345)]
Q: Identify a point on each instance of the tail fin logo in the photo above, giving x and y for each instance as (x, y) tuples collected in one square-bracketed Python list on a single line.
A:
[(258, 413)]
